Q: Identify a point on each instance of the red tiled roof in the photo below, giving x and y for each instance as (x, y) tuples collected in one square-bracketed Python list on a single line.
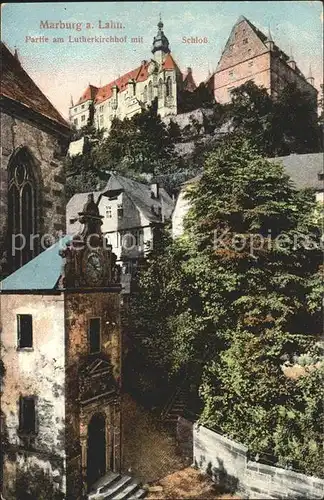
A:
[(89, 93), (169, 63), (17, 85), (139, 75)]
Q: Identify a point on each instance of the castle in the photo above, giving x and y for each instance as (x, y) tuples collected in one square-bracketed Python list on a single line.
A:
[(251, 55), (248, 55), (160, 78)]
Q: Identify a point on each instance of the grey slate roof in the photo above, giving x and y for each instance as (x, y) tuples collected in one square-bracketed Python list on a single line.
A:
[(303, 169), (138, 192), (41, 273)]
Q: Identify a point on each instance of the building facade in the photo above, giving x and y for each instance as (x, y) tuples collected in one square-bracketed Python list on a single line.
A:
[(251, 55), (34, 140), (158, 78), (61, 349), (132, 214)]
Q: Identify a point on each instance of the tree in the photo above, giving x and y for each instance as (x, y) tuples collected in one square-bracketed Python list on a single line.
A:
[(249, 201), (234, 299), (276, 126), (135, 147)]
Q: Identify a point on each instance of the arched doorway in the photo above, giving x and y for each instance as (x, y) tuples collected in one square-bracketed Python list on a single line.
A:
[(96, 453)]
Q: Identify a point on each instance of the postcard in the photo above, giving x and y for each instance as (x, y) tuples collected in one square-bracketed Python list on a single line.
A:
[(161, 250)]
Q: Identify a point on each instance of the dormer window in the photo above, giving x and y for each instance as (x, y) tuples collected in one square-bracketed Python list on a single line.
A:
[(245, 41)]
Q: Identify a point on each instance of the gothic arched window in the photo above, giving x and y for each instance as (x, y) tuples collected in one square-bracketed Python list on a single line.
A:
[(145, 94), (150, 92), (169, 86), (160, 89), (22, 210)]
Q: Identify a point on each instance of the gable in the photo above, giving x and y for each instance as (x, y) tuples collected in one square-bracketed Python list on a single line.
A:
[(244, 42)]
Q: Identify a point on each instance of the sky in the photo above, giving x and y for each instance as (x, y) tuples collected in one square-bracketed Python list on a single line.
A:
[(64, 69)]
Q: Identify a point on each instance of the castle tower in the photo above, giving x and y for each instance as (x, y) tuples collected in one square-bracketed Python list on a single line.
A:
[(160, 44)]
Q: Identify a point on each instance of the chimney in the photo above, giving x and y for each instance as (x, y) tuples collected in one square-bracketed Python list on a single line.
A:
[(155, 190), (189, 70)]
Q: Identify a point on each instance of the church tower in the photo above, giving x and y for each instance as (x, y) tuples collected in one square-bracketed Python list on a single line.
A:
[(160, 44)]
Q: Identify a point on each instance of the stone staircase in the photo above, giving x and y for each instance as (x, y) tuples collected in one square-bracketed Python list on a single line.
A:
[(114, 486), (175, 408)]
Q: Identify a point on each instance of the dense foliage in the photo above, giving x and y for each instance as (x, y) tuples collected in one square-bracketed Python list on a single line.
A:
[(236, 312)]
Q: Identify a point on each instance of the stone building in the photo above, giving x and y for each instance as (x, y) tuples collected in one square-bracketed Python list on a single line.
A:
[(306, 172), (60, 397), (158, 78), (132, 213), (34, 139), (251, 55)]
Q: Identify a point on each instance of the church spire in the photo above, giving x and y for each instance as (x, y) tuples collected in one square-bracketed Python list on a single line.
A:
[(160, 41)]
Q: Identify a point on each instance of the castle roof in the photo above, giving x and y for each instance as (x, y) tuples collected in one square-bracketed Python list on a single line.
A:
[(18, 87), (138, 74), (89, 94)]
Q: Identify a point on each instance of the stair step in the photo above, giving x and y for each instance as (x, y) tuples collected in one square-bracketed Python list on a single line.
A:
[(130, 489), (107, 479), (116, 487), (139, 494)]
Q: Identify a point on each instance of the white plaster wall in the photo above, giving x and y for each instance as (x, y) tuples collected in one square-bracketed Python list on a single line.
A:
[(38, 372)]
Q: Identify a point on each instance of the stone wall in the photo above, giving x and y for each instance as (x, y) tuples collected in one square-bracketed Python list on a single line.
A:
[(46, 150), (227, 462)]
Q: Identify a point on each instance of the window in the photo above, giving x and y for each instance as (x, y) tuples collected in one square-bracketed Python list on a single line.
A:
[(94, 335), (250, 64), (101, 119), (25, 330), (27, 414), (82, 107), (83, 118), (231, 74), (245, 41), (75, 121), (108, 212), (120, 211), (250, 52), (169, 86), (22, 208), (76, 110), (101, 109)]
